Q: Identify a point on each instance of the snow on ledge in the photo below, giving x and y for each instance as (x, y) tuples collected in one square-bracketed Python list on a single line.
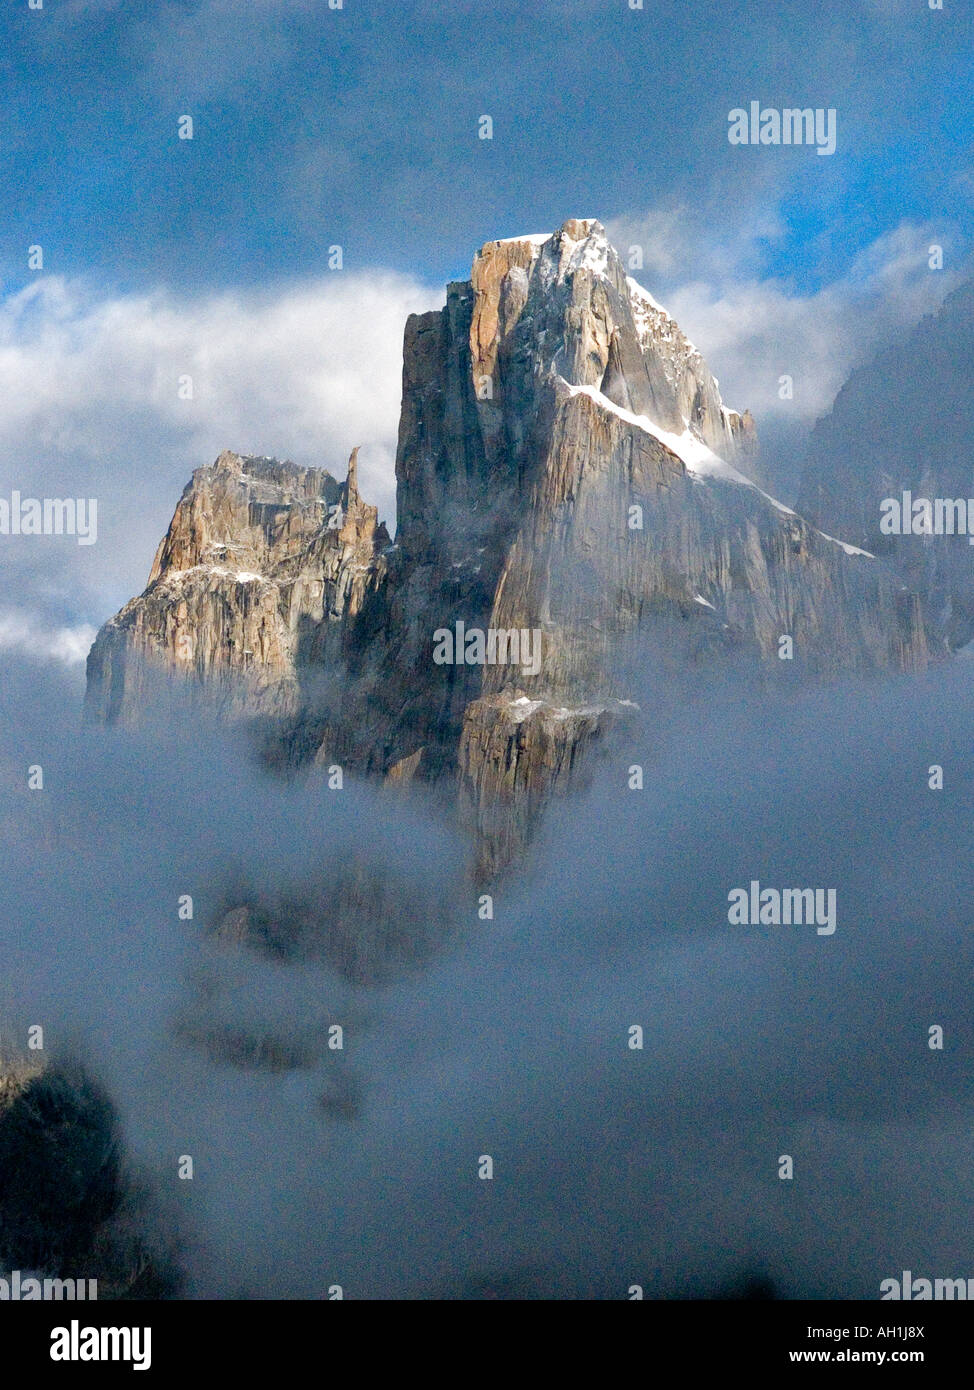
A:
[(849, 549), (520, 708), (635, 288), (535, 238), (697, 457), (699, 460), (239, 576)]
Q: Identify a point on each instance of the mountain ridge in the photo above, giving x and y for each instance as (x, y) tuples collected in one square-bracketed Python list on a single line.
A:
[(565, 466)]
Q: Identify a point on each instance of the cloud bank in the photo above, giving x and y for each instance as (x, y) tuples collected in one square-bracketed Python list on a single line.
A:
[(96, 402), (611, 1166)]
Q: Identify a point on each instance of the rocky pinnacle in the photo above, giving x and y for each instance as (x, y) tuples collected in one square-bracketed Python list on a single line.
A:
[(565, 467)]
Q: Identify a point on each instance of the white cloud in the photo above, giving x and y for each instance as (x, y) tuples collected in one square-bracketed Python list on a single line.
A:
[(26, 632), (308, 372), (90, 405), (677, 236), (753, 329), (662, 236)]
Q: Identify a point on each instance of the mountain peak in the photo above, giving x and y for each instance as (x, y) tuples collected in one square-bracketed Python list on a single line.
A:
[(567, 476), (564, 303)]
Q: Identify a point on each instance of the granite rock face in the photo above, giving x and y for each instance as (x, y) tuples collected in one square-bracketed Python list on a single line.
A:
[(567, 473), (262, 565)]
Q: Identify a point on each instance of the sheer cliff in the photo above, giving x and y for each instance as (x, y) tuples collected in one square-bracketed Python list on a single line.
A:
[(570, 484)]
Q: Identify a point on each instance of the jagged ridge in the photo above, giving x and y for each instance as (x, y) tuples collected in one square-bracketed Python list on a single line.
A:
[(549, 398)]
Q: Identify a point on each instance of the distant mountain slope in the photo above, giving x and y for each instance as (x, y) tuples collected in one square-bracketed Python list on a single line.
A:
[(905, 423)]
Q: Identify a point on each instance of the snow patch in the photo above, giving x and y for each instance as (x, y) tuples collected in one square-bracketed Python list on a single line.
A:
[(699, 460), (591, 254), (220, 572), (535, 238), (522, 707), (849, 549), (655, 324), (697, 456), (636, 291)]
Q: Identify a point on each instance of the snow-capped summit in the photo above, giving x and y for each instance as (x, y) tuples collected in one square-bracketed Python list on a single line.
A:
[(629, 346)]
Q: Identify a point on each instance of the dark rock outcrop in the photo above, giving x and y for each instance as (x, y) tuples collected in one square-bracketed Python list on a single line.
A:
[(70, 1205)]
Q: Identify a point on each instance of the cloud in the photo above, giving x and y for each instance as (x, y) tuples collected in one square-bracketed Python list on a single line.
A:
[(678, 236), (757, 331), (662, 235), (25, 632), (612, 1166), (715, 273), (754, 328), (90, 401)]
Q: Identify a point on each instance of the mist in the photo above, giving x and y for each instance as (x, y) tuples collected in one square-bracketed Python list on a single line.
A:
[(612, 1166)]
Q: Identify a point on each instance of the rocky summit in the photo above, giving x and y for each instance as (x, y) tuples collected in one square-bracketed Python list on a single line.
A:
[(569, 482)]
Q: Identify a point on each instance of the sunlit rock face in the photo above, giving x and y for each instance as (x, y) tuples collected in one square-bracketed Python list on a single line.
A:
[(567, 475), (261, 565)]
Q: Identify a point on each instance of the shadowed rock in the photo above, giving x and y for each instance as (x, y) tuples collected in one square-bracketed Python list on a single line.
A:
[(70, 1207)]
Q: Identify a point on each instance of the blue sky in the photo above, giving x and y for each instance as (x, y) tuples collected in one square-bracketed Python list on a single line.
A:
[(359, 127)]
